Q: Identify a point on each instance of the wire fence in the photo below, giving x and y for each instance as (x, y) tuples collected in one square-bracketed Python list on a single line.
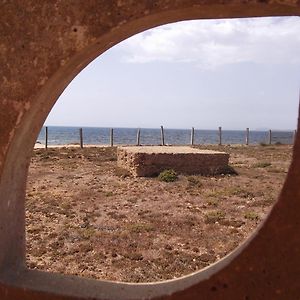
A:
[(160, 136)]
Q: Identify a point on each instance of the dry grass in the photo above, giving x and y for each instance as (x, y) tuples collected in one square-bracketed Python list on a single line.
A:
[(85, 216)]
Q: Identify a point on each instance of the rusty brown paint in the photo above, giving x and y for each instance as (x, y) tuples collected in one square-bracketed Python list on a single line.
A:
[(43, 46)]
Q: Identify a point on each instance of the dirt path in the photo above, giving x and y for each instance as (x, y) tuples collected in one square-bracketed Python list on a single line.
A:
[(85, 216)]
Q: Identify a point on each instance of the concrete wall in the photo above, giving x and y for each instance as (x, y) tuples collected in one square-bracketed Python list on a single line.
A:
[(141, 161), (43, 46)]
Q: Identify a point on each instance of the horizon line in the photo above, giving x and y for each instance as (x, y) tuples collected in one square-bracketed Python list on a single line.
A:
[(171, 128)]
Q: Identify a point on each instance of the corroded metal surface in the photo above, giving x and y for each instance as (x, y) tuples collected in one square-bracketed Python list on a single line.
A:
[(43, 46)]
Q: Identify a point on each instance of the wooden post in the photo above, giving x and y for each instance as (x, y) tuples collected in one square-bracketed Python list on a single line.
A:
[(220, 136), (162, 135), (192, 136), (247, 136), (294, 136), (138, 137), (46, 137), (81, 138), (270, 137), (111, 137)]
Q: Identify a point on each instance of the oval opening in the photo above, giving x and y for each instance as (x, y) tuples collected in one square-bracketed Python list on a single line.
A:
[(90, 217)]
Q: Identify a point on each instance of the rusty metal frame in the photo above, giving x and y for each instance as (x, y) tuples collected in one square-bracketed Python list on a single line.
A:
[(43, 46)]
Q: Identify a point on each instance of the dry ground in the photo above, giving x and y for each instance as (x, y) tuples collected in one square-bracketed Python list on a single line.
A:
[(85, 216)]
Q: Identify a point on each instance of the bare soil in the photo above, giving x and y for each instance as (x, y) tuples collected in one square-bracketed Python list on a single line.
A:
[(85, 216)]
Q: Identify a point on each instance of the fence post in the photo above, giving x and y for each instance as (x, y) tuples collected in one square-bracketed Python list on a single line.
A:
[(138, 137), (162, 135), (192, 136), (111, 137), (81, 138), (220, 136), (294, 136), (46, 138), (270, 137), (247, 136)]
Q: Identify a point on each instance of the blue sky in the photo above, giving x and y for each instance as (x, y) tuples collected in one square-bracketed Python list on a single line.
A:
[(203, 73)]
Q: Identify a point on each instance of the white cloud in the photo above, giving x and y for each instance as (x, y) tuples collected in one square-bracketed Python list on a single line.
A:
[(213, 43)]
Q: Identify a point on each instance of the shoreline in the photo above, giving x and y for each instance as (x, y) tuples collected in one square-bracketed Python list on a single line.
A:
[(42, 146)]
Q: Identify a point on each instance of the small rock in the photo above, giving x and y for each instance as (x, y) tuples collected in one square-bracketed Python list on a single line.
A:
[(168, 247)]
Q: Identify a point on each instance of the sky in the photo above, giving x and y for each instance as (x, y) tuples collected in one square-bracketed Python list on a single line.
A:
[(234, 73)]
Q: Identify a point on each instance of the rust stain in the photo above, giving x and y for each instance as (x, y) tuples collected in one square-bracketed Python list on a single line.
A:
[(37, 38)]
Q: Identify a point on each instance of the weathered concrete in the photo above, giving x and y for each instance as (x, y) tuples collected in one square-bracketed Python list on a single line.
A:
[(43, 46), (151, 160)]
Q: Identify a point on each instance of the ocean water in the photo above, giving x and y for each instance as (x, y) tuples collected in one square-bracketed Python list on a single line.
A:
[(127, 136)]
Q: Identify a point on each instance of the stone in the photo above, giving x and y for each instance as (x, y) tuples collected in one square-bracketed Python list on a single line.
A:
[(151, 160)]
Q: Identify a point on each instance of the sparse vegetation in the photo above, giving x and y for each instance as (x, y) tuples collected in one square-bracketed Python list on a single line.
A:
[(168, 176), (93, 220), (140, 227), (240, 192), (214, 216), (213, 202), (263, 164), (251, 215), (194, 181)]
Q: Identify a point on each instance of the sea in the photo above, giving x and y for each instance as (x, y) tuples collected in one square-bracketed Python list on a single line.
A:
[(61, 135)]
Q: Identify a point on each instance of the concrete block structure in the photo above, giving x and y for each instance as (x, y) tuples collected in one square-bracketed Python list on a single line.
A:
[(151, 160)]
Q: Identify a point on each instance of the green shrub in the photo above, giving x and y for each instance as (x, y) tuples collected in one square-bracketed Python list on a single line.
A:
[(214, 216), (251, 215), (168, 176)]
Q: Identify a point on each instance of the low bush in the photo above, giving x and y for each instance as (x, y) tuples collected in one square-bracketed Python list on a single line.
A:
[(214, 216), (168, 176), (251, 215)]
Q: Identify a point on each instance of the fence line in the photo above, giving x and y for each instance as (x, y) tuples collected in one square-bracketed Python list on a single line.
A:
[(192, 136), (220, 136), (46, 138), (247, 136), (270, 138), (162, 135), (111, 137), (81, 137), (138, 137)]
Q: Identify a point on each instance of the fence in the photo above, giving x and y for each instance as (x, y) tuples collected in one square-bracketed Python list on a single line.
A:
[(111, 136)]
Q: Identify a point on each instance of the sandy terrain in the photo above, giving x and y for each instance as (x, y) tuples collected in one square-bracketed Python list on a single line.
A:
[(86, 216)]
